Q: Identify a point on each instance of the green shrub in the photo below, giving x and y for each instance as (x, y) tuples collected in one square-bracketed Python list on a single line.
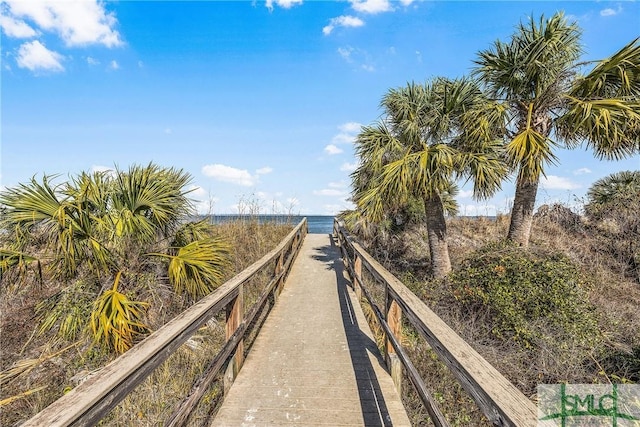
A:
[(526, 296)]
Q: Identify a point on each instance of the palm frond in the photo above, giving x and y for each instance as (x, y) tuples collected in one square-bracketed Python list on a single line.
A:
[(615, 77), (611, 127), (198, 267), (116, 320), (530, 151)]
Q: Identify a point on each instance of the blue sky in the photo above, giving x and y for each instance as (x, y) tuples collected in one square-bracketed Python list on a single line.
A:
[(258, 101)]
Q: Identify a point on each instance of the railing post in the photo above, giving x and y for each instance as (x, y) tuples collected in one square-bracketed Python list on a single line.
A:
[(234, 315), (278, 270), (357, 271), (394, 320)]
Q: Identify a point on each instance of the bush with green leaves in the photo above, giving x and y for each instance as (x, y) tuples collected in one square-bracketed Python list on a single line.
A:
[(526, 296)]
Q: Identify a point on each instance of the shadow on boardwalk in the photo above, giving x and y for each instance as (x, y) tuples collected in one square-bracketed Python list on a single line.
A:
[(362, 348)]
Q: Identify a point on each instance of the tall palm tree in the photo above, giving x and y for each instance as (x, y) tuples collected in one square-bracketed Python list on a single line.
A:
[(542, 102), (100, 234), (418, 150)]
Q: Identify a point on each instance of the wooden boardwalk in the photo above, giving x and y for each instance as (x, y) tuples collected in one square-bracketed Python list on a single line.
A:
[(314, 361)]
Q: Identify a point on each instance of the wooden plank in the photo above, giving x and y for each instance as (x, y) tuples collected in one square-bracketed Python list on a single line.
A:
[(501, 402), (90, 401), (234, 317), (394, 320)]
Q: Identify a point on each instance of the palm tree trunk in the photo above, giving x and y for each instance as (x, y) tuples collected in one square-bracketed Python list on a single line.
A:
[(522, 211), (437, 233)]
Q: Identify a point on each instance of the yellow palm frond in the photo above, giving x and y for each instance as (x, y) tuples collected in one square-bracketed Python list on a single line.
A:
[(116, 320)]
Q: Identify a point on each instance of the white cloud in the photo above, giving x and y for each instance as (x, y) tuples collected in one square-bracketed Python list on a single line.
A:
[(342, 21), (114, 65), (263, 171), (340, 184), (92, 61), (286, 4), (15, 28), (332, 149), (329, 192), (371, 6), (465, 194), (552, 182), (350, 127), (345, 52), (35, 56), (343, 138), (78, 23), (197, 191), (406, 2), (348, 167), (368, 67), (229, 174), (611, 12), (582, 171)]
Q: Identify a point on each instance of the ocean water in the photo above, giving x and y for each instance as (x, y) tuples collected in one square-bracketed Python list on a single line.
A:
[(318, 224)]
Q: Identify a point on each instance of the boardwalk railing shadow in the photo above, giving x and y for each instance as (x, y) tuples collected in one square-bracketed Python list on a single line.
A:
[(362, 348)]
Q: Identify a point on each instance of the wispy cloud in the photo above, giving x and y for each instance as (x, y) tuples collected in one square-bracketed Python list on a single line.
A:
[(610, 11), (15, 28), (35, 56), (92, 61), (332, 149), (553, 182), (347, 134), (263, 171), (77, 23), (349, 167), (285, 4), (582, 171), (113, 65), (342, 21), (233, 175), (371, 6), (358, 57), (229, 174)]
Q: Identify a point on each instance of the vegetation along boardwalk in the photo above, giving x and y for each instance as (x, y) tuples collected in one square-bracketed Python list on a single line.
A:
[(314, 362)]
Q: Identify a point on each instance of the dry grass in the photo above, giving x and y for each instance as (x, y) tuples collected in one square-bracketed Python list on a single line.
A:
[(49, 377)]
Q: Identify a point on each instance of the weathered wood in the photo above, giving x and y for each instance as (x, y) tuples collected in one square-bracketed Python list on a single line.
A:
[(182, 412), (279, 269), (394, 320), (93, 399), (501, 402), (234, 317), (430, 404), (357, 270)]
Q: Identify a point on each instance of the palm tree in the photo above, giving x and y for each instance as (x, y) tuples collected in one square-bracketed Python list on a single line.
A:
[(103, 234), (542, 102), (419, 150)]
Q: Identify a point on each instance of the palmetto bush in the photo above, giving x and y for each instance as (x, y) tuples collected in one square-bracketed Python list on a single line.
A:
[(102, 235)]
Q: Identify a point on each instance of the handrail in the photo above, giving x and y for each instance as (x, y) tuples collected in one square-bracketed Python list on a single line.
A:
[(94, 398), (501, 402)]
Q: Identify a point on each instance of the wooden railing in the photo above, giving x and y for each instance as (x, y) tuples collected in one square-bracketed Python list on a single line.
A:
[(92, 400), (501, 402)]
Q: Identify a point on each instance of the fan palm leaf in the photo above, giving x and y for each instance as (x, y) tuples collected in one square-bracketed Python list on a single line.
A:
[(198, 267), (116, 320)]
